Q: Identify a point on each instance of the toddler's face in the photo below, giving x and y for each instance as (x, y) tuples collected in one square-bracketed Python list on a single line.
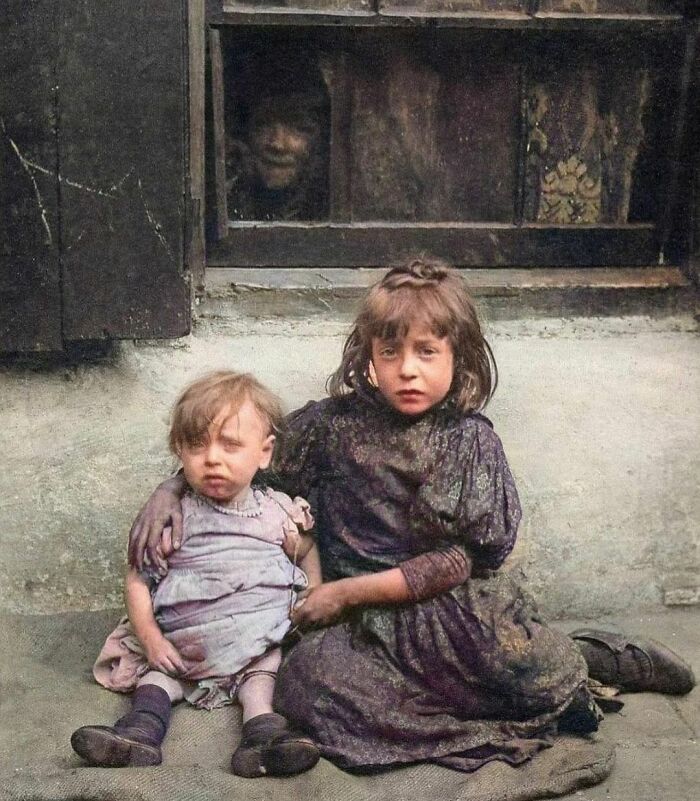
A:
[(413, 373), (235, 447)]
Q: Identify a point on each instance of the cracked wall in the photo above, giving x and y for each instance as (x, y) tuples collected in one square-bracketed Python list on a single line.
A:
[(598, 418)]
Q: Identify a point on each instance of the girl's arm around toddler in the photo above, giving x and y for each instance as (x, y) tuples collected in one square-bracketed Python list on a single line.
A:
[(322, 605), (162, 509), (161, 654)]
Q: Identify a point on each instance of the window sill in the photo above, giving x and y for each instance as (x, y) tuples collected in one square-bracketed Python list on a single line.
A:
[(501, 293), (251, 14)]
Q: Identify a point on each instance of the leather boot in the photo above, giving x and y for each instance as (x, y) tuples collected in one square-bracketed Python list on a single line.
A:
[(269, 747), (634, 664), (135, 739)]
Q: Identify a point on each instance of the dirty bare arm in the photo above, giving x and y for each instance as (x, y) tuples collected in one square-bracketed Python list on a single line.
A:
[(161, 654)]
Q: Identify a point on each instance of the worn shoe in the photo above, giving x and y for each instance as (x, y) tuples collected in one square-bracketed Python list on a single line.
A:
[(633, 664), (289, 753), (270, 748), (134, 740), (108, 747)]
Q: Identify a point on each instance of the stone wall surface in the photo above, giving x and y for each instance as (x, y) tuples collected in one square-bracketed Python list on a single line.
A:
[(599, 418)]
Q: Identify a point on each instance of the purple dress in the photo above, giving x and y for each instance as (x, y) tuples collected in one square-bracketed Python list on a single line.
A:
[(462, 678)]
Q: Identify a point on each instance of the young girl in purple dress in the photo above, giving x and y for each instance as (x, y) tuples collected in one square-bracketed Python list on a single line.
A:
[(417, 646)]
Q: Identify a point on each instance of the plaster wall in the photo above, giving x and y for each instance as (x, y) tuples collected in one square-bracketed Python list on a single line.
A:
[(599, 418)]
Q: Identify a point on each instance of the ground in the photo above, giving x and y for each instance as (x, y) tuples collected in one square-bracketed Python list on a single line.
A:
[(47, 692)]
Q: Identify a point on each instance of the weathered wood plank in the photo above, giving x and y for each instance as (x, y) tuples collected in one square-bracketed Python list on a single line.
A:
[(223, 282), (312, 5), (366, 245), (454, 6), (218, 132), (30, 295), (600, 24), (685, 105), (196, 49), (619, 7), (123, 156), (428, 142)]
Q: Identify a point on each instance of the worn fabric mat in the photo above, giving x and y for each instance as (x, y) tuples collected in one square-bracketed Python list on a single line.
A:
[(47, 691)]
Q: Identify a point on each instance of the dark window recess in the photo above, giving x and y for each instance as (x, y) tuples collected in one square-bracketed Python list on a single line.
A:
[(543, 134)]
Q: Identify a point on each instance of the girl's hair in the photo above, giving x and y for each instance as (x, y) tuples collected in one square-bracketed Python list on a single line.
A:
[(426, 291), (203, 400)]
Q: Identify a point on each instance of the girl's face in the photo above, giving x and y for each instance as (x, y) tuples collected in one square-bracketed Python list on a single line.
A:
[(414, 373), (236, 445)]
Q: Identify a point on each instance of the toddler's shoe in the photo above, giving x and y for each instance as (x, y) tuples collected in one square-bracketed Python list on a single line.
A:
[(269, 747), (112, 747), (633, 664), (134, 740)]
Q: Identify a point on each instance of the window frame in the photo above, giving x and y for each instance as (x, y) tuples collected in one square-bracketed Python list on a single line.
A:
[(469, 244)]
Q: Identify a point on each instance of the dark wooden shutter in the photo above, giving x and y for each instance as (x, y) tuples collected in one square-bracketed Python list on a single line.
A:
[(122, 84), (94, 157), (30, 310)]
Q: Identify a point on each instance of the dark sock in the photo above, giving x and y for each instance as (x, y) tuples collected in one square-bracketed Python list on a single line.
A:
[(582, 716), (149, 714)]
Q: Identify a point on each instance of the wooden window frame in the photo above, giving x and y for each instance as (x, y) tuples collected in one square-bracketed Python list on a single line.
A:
[(469, 244)]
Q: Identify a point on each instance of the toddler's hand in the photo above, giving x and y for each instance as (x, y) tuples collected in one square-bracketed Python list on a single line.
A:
[(162, 655), (319, 606), (291, 543)]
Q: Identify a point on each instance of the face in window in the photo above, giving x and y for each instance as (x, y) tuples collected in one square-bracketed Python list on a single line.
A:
[(281, 146)]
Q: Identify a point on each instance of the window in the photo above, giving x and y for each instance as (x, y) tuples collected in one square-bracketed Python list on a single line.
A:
[(495, 132)]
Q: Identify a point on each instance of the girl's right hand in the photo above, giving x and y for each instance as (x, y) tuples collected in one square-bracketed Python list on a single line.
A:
[(162, 655), (163, 508)]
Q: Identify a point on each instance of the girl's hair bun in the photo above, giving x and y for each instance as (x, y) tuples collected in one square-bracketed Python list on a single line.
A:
[(426, 269)]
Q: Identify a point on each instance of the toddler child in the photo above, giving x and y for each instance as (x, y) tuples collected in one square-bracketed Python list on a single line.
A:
[(210, 629)]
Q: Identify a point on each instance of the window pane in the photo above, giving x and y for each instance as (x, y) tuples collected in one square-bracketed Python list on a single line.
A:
[(449, 126), (277, 118), (408, 122), (598, 128), (429, 140)]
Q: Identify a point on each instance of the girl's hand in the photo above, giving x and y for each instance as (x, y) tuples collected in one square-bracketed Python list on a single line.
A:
[(146, 541), (162, 655), (320, 606)]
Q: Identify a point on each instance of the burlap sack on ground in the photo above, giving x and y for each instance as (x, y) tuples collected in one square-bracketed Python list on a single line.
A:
[(47, 691)]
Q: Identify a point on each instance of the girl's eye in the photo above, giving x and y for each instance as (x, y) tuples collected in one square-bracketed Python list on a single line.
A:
[(387, 353), (428, 351)]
